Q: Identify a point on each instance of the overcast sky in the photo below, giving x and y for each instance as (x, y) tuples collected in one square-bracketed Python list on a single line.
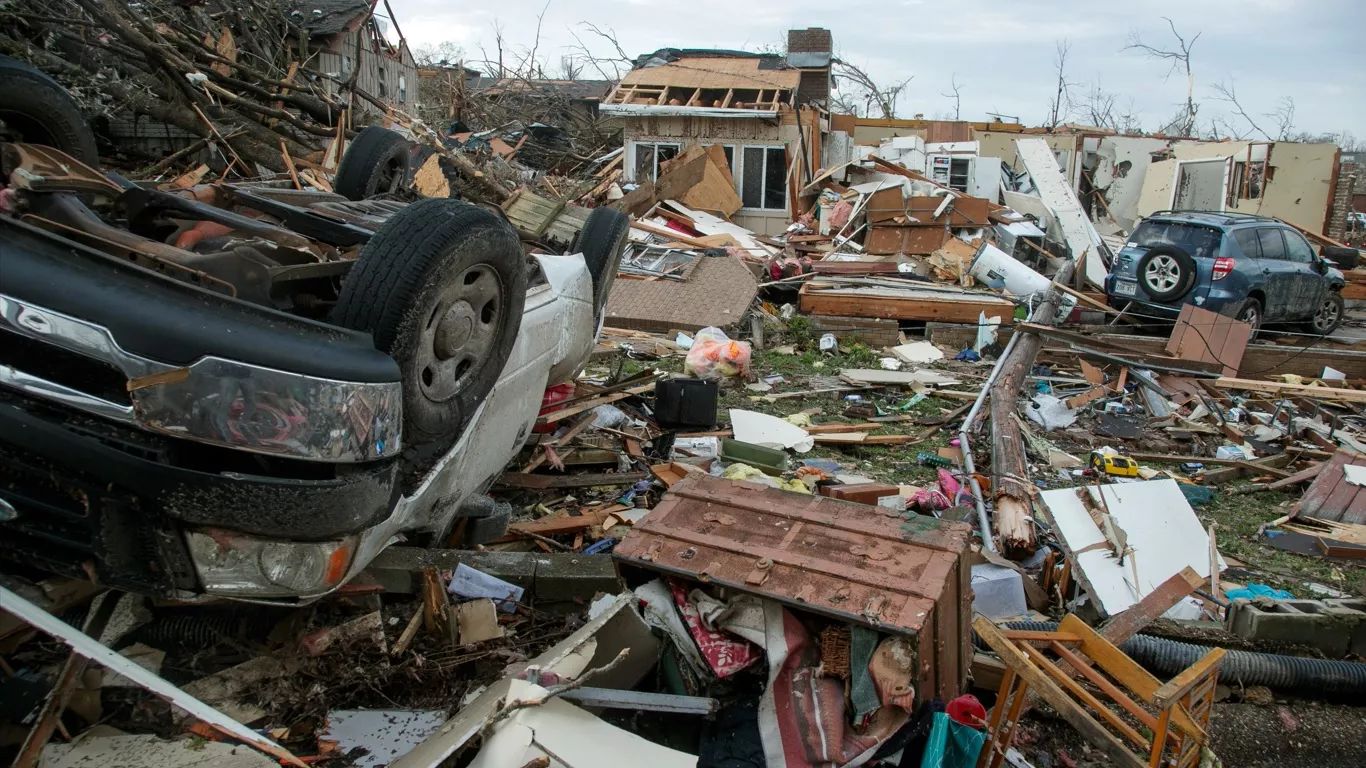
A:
[(1001, 51)]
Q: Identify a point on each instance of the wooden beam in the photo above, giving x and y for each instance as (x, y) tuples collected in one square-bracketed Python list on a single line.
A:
[(1292, 390), (1128, 623), (546, 482)]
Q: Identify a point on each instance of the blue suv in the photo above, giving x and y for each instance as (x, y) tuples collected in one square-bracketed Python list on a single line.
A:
[(1256, 269)]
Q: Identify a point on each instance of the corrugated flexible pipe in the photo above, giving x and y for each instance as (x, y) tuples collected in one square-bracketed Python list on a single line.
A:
[(1169, 657)]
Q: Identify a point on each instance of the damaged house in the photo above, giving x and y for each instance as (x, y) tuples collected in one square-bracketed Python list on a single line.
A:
[(349, 43), (756, 107)]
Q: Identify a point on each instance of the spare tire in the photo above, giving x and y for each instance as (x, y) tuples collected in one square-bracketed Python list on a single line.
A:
[(601, 242), (35, 109), (440, 287), (1166, 272), (375, 164)]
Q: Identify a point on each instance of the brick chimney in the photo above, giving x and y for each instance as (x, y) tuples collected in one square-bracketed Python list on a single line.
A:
[(810, 51)]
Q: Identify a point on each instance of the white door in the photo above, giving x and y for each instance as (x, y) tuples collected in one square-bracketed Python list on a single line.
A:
[(986, 179), (1200, 185)]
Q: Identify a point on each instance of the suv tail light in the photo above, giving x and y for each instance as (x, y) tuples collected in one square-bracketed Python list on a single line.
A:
[(1222, 266)]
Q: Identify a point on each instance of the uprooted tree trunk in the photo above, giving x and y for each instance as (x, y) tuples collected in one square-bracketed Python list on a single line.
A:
[(1012, 492), (235, 74)]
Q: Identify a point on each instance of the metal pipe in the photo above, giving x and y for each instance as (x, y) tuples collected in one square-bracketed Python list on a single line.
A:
[(966, 446)]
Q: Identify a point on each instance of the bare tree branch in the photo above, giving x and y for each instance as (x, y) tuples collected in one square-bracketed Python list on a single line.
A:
[(1179, 59), (865, 90), (955, 93), (1061, 102), (1226, 92)]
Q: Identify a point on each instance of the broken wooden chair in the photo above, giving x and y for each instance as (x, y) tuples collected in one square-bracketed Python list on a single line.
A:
[(1159, 725)]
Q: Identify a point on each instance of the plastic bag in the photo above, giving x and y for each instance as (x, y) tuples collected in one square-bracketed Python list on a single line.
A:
[(952, 745), (714, 355)]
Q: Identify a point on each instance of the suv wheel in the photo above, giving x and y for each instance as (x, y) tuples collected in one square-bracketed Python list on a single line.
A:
[(1329, 315), (1166, 272), (1250, 312), (440, 288)]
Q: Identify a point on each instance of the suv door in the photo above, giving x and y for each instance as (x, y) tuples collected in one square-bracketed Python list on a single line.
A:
[(1278, 273), (1306, 292)]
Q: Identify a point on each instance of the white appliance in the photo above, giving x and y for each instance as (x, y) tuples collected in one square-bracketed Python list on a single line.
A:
[(977, 176)]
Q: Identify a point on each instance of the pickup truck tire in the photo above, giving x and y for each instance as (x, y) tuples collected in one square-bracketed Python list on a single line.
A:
[(1166, 272), (374, 164), (36, 109), (1328, 316), (440, 287), (601, 242)]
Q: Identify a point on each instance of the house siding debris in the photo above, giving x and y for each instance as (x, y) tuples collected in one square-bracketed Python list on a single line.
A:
[(1298, 187), (753, 105)]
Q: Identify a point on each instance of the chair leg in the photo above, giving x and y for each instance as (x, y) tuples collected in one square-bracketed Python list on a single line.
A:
[(1159, 739)]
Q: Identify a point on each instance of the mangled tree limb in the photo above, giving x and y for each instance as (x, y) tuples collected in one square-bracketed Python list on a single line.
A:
[(168, 60), (1012, 491)]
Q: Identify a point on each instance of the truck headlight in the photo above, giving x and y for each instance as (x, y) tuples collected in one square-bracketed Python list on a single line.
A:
[(237, 565)]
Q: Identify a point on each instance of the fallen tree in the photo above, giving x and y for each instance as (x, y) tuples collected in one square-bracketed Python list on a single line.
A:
[(237, 75)]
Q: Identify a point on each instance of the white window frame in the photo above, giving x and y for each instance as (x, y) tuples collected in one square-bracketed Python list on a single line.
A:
[(654, 169), (739, 173)]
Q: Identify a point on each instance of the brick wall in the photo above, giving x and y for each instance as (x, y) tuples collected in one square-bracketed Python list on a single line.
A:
[(1351, 179), (810, 39), (815, 83)]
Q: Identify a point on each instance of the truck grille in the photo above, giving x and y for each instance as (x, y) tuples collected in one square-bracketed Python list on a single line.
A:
[(77, 526)]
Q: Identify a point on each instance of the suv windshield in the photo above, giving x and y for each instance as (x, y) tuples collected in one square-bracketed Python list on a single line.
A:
[(1196, 239)]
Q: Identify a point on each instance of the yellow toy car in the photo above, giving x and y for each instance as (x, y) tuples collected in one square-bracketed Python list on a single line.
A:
[(1119, 466)]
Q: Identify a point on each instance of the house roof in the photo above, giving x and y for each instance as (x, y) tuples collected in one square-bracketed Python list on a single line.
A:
[(324, 18), (571, 89), (713, 69)]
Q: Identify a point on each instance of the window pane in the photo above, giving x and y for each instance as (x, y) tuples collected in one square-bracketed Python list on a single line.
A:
[(1296, 248), (666, 152), (1247, 243), (775, 179), (645, 162), (1273, 247), (730, 162), (752, 186)]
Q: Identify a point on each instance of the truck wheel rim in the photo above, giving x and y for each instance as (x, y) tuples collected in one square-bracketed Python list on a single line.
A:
[(1163, 273), (1327, 315), (1249, 316), (460, 332)]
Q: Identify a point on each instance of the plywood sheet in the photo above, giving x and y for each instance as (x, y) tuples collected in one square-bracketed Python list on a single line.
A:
[(719, 291), (920, 240), (713, 72), (1332, 497), (1163, 533), (1209, 337)]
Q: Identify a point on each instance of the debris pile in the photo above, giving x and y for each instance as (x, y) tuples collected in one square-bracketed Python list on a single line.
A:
[(868, 433)]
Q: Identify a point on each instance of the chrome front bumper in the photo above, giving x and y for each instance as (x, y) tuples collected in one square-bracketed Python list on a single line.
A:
[(214, 400)]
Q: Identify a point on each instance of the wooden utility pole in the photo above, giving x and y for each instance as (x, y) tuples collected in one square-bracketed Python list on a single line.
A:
[(1012, 492)]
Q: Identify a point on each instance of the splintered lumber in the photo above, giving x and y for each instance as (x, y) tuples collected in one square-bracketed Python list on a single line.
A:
[(902, 302), (1292, 390), (547, 482), (1013, 517), (1128, 622)]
